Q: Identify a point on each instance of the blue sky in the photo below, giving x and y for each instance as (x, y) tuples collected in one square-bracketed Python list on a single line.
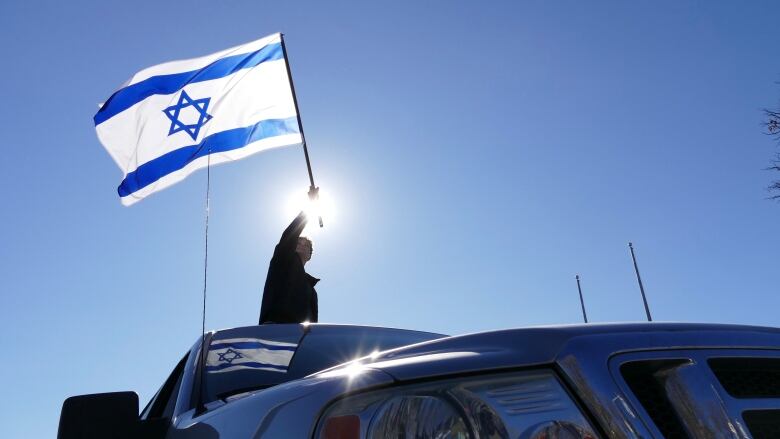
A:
[(479, 155)]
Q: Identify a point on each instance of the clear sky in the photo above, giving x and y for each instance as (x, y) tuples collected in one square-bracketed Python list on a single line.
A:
[(480, 154)]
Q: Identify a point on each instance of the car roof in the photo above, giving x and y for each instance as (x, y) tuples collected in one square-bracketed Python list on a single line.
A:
[(319, 327)]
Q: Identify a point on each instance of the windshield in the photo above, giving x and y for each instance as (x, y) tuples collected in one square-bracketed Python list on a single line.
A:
[(251, 358)]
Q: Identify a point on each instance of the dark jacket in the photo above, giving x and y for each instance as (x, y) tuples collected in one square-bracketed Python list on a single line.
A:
[(289, 295)]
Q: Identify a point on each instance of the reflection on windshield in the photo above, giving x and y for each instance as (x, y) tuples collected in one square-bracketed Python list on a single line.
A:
[(248, 359), (249, 353)]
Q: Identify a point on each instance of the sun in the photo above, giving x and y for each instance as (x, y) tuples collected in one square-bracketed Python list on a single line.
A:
[(323, 207)]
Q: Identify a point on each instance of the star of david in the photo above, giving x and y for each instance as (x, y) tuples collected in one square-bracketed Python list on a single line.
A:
[(200, 105), (223, 356)]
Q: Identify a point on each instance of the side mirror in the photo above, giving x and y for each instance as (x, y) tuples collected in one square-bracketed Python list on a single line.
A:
[(100, 415)]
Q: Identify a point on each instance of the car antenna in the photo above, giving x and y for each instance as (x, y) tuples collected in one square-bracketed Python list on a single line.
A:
[(203, 353), (639, 280), (582, 301)]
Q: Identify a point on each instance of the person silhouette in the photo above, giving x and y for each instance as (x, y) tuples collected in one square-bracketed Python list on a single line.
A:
[(289, 295)]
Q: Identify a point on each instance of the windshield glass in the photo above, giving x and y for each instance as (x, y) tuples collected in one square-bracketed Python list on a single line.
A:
[(251, 358)]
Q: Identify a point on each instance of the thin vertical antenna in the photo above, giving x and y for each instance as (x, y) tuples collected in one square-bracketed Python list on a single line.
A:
[(313, 190), (582, 301), (203, 353), (639, 279)]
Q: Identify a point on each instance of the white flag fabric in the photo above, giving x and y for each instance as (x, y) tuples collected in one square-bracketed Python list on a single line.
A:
[(172, 119), (249, 353)]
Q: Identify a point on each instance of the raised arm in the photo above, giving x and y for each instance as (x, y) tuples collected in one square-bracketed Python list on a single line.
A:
[(290, 235)]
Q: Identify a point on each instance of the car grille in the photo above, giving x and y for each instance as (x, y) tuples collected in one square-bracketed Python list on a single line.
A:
[(703, 394)]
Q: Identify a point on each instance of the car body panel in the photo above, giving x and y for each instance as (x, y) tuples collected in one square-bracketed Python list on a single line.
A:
[(534, 346), (581, 353), (586, 358)]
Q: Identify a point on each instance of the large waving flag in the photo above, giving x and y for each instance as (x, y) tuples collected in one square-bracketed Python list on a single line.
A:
[(172, 119)]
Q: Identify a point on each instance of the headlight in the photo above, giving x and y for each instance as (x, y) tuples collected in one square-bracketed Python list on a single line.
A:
[(530, 405), (418, 416)]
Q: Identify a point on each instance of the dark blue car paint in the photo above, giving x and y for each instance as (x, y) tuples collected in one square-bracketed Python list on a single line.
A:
[(580, 353)]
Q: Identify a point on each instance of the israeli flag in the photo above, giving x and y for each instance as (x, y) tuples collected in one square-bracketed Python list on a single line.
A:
[(249, 353), (171, 119)]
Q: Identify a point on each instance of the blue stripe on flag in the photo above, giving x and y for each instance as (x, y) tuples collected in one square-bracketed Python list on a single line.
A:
[(222, 141), (126, 97), (248, 364), (252, 345)]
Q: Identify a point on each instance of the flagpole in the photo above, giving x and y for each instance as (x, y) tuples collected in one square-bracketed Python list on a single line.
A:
[(582, 301), (313, 190), (639, 279)]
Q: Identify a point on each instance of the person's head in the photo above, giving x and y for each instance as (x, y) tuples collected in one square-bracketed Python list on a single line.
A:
[(304, 249)]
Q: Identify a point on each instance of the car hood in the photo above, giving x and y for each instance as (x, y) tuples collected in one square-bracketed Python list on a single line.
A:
[(544, 345)]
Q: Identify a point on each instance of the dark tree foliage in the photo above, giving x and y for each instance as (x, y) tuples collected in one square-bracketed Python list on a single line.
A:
[(772, 124)]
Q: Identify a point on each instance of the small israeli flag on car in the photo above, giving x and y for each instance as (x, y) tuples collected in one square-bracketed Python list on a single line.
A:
[(174, 118), (249, 353)]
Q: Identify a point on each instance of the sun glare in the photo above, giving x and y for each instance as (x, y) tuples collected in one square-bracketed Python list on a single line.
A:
[(322, 207)]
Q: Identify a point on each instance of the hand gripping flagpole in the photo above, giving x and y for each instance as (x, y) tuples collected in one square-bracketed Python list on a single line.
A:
[(314, 191)]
